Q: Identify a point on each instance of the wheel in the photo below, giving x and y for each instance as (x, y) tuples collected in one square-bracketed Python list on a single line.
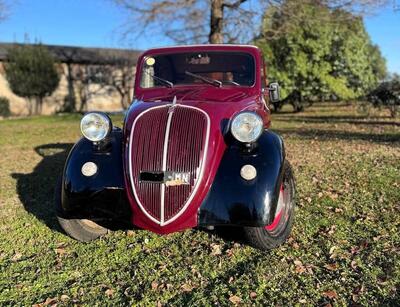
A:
[(84, 230), (278, 231)]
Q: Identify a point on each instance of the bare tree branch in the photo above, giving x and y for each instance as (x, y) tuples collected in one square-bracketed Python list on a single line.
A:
[(216, 21), (4, 10)]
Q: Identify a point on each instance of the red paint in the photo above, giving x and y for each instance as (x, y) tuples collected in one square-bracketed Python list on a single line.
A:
[(278, 217), (219, 103)]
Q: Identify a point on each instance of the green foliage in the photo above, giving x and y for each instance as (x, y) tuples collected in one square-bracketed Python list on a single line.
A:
[(31, 73), (320, 53), (4, 107), (387, 95)]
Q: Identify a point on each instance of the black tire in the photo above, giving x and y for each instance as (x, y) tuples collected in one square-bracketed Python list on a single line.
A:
[(264, 239), (84, 230)]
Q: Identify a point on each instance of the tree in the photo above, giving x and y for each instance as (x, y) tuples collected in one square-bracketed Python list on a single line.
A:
[(31, 73), (387, 95), (315, 57), (114, 77), (120, 77), (3, 10), (214, 21)]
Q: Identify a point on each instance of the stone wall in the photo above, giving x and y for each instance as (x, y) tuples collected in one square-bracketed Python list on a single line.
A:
[(100, 99)]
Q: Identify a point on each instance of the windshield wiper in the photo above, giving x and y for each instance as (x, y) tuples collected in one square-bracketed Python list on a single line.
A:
[(161, 80), (214, 82)]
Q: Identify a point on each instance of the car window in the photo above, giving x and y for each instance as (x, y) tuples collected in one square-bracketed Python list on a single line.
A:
[(227, 68)]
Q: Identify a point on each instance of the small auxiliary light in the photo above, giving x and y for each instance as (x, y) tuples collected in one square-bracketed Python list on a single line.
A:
[(248, 172), (89, 169)]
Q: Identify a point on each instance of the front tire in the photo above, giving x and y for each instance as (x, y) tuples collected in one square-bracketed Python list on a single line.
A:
[(278, 231), (84, 230)]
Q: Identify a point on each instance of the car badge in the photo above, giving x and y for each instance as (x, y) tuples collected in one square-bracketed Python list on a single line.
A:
[(172, 106), (172, 179)]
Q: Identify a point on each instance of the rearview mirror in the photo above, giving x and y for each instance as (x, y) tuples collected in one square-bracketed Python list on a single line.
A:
[(274, 92)]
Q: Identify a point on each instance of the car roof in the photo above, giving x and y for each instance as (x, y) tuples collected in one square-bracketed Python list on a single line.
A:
[(205, 47)]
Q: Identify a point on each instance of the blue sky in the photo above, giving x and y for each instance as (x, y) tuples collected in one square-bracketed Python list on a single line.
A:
[(96, 23)]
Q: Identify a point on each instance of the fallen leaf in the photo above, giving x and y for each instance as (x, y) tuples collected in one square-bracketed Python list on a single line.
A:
[(130, 233), (235, 299), (297, 262), (216, 249), (61, 251), (187, 287), (330, 294), (64, 297), (253, 295), (16, 257), (48, 302), (332, 230), (229, 252), (109, 293), (353, 264), (331, 266), (154, 285), (299, 267)]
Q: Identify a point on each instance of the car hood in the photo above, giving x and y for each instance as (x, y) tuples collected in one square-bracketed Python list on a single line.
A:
[(220, 108)]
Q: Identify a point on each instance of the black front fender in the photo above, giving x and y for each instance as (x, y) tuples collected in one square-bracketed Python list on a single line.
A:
[(101, 195), (234, 201)]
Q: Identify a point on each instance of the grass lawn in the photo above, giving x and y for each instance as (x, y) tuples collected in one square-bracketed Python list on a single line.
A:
[(344, 248)]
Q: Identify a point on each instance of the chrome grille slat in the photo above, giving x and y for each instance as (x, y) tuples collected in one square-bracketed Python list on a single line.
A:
[(185, 130)]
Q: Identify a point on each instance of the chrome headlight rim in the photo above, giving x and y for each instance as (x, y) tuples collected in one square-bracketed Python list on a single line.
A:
[(258, 125), (104, 126)]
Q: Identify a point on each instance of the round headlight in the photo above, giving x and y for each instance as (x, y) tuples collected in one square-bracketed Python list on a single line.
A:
[(247, 127), (95, 126)]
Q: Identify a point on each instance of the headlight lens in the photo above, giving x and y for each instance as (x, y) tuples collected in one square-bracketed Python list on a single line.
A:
[(95, 126), (247, 127)]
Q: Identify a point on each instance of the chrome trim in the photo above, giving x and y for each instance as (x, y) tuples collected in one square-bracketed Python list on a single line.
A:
[(162, 222), (202, 167), (164, 162), (130, 164)]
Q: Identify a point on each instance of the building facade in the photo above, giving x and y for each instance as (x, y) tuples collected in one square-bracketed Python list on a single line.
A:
[(90, 79)]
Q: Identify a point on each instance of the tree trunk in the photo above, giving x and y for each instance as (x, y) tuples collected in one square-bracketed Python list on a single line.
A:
[(125, 100), (70, 103), (38, 105), (216, 22), (30, 106)]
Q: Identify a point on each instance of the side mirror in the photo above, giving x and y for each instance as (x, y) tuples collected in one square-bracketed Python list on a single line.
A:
[(274, 92)]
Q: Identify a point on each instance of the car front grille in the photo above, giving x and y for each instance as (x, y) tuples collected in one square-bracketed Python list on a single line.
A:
[(167, 139)]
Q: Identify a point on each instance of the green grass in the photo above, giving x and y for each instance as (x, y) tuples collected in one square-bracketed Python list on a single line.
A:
[(344, 248)]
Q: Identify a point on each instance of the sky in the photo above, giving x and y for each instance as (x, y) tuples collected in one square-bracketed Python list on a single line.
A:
[(98, 23)]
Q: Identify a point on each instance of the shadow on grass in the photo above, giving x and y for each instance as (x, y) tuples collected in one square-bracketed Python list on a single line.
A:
[(355, 120), (36, 190), (329, 135)]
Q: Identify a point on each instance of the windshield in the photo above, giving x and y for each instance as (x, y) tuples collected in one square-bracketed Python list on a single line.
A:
[(208, 68)]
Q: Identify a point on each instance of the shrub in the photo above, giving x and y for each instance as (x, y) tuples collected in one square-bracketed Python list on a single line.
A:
[(31, 73), (387, 95), (4, 107)]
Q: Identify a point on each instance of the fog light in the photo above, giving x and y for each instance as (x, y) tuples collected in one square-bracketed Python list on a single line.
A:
[(89, 169), (248, 172)]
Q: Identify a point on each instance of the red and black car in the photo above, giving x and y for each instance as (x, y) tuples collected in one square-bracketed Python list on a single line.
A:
[(195, 151)]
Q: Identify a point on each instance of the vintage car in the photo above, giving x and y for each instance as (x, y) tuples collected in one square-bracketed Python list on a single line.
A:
[(195, 150)]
